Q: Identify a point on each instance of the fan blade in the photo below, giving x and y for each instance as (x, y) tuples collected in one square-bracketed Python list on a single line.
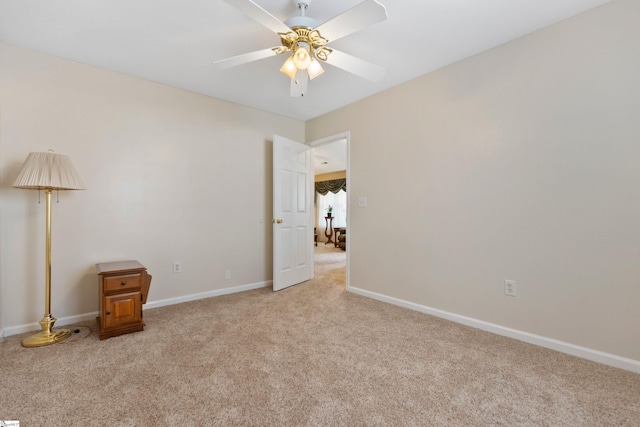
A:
[(367, 13), (223, 64), (356, 66), (300, 84), (257, 13)]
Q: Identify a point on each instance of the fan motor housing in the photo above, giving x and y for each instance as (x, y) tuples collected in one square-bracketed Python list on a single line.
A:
[(301, 22)]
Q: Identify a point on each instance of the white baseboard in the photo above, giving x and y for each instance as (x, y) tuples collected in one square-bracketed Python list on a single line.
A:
[(62, 321), (29, 327), (550, 343), (210, 294)]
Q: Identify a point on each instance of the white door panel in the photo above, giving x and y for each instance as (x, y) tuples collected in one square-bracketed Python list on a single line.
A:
[(292, 213)]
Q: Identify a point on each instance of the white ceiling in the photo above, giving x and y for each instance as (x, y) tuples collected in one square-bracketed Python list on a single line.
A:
[(331, 157), (175, 42)]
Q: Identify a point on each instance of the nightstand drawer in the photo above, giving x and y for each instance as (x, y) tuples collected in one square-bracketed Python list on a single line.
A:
[(122, 282)]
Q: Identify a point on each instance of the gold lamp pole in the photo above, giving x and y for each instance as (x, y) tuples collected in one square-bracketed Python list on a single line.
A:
[(48, 171)]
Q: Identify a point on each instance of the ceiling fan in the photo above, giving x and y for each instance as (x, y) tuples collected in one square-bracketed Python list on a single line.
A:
[(306, 42)]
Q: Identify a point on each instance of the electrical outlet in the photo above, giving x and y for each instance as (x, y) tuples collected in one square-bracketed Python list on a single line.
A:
[(227, 274), (177, 267), (510, 288)]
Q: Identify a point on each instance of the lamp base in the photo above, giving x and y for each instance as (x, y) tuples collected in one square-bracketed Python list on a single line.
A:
[(47, 335), (44, 338)]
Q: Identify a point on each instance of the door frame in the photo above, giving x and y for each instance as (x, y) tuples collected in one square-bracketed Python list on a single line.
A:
[(328, 140)]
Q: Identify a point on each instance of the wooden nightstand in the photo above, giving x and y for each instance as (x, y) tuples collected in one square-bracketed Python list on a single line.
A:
[(124, 286)]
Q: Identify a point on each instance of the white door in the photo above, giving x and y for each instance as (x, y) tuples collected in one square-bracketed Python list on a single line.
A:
[(292, 213)]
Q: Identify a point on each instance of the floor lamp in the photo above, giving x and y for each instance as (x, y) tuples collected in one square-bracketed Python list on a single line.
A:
[(48, 171)]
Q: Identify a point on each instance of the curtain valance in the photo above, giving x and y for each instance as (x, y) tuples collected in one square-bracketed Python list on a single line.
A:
[(333, 185)]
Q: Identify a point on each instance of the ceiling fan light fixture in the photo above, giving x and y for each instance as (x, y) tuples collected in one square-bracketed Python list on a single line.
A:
[(289, 68), (302, 58), (315, 69), (303, 41)]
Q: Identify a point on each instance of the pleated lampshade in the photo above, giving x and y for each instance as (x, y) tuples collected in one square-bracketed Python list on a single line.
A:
[(48, 170)]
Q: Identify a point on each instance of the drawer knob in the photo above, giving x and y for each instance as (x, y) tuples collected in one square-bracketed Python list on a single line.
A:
[(108, 313), (123, 283)]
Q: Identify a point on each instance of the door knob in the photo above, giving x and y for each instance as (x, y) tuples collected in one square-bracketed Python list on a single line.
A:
[(277, 221)]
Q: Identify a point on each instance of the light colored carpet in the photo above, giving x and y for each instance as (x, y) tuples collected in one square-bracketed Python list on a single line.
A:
[(313, 354)]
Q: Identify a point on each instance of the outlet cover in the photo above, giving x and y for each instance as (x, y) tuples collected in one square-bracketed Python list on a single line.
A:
[(510, 288), (177, 267)]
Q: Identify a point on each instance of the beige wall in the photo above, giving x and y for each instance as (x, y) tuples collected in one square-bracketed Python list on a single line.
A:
[(520, 163), (170, 175)]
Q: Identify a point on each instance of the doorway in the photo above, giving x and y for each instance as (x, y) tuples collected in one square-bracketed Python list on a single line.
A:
[(331, 158)]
